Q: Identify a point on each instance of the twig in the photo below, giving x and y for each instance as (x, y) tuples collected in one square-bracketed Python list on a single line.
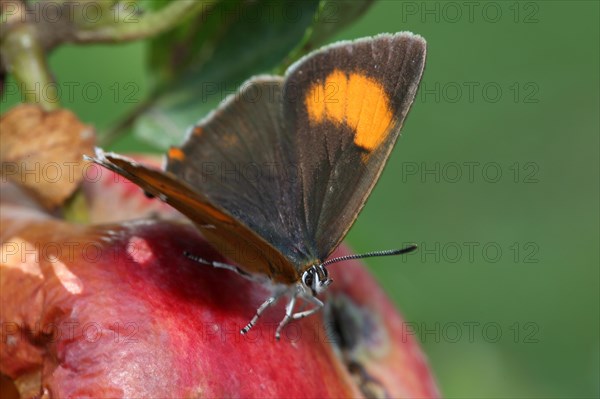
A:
[(23, 56), (135, 28)]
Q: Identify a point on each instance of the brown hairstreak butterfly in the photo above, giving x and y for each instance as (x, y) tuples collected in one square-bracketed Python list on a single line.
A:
[(315, 142)]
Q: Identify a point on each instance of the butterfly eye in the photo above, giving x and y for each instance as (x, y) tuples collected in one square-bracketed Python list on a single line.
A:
[(325, 273), (309, 278)]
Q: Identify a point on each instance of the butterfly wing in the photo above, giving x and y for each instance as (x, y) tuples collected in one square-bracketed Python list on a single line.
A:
[(241, 157), (344, 106), (222, 230), (277, 174)]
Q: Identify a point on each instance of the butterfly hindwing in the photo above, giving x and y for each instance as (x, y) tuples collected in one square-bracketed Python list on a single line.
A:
[(222, 230), (240, 157)]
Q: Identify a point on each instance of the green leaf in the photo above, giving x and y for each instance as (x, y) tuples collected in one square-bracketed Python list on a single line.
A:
[(202, 61), (333, 15)]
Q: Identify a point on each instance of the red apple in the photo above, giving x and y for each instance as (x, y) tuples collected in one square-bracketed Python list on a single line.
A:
[(113, 309)]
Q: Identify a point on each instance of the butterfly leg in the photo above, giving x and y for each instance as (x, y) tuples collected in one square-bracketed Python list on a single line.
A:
[(318, 306), (289, 311), (270, 301), (221, 265)]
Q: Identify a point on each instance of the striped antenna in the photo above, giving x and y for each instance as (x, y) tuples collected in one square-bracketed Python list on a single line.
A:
[(389, 252)]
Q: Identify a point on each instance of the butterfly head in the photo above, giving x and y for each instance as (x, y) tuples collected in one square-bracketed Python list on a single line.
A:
[(316, 278)]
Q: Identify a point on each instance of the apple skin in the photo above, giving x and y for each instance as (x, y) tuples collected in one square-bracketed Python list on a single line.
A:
[(116, 310)]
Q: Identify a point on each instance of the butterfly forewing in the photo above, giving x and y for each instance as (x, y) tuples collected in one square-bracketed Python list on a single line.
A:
[(344, 106)]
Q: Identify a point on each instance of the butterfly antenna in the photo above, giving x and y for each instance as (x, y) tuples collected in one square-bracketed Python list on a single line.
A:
[(389, 252)]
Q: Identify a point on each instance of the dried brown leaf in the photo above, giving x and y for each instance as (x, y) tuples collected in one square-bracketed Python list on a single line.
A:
[(42, 151)]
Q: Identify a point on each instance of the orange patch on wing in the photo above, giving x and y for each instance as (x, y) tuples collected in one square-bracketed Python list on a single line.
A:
[(353, 99), (197, 131), (176, 153), (315, 103), (336, 86)]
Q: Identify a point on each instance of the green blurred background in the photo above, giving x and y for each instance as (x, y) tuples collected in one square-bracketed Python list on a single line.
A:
[(496, 177)]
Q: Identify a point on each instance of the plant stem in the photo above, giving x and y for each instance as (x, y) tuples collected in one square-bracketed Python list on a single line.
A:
[(135, 28), (23, 56)]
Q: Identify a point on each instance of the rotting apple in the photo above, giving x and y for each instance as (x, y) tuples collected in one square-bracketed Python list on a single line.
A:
[(113, 309)]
